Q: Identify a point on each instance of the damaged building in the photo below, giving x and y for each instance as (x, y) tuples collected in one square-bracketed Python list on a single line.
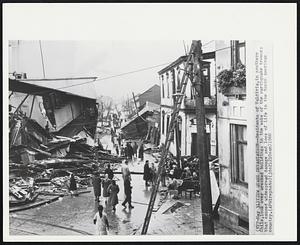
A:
[(144, 122)]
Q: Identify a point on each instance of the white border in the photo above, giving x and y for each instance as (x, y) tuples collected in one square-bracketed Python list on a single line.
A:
[(272, 22)]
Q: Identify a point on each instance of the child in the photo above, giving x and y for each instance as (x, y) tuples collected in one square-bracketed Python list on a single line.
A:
[(101, 222)]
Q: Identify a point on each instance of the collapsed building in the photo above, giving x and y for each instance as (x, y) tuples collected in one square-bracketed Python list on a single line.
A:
[(51, 135)]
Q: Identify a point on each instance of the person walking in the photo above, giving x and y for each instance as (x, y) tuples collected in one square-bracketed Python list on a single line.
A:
[(96, 181), (125, 171), (109, 172), (105, 184), (147, 173), (73, 185), (141, 152), (113, 190), (101, 222), (135, 148), (127, 191)]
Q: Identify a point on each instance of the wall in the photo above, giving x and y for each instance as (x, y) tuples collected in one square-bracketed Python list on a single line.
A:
[(38, 112), (63, 116), (234, 196), (151, 95), (167, 104)]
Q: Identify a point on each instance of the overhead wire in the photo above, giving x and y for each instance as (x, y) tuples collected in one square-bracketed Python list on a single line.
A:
[(118, 75)]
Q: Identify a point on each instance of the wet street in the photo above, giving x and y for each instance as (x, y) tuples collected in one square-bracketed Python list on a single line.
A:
[(74, 215)]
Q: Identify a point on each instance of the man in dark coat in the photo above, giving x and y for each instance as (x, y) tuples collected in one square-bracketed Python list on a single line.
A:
[(109, 172), (177, 172), (141, 152), (73, 185), (129, 151), (147, 173), (127, 190), (96, 181)]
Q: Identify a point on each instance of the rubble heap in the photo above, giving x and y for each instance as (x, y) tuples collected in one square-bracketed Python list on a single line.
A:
[(41, 162)]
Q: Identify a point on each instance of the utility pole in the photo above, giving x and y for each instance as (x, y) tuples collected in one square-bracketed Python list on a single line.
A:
[(205, 187)]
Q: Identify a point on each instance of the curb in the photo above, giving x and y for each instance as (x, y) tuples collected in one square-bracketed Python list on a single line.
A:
[(34, 205)]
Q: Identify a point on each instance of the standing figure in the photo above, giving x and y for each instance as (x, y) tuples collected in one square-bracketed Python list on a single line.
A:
[(113, 190), (73, 185), (163, 176), (109, 172), (126, 150), (129, 151), (135, 148), (96, 181), (125, 171), (101, 222), (141, 152), (127, 191), (105, 184), (153, 173), (147, 173)]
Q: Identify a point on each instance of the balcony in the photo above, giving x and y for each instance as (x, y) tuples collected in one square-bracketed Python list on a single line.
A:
[(209, 103)]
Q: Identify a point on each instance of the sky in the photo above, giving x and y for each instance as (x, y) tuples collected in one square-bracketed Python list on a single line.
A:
[(101, 59)]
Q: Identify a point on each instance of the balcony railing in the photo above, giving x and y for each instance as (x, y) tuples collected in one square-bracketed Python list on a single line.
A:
[(208, 103)]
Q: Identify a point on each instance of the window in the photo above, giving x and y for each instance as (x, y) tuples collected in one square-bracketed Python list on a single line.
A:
[(163, 122), (238, 149), (168, 119), (162, 86), (173, 81), (206, 78), (238, 53), (168, 87), (178, 79)]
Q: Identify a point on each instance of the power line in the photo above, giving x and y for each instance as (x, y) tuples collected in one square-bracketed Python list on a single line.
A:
[(42, 59), (208, 43), (121, 74)]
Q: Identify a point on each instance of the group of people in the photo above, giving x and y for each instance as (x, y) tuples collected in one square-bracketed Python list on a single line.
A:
[(109, 187), (130, 150), (110, 195), (182, 177), (150, 173)]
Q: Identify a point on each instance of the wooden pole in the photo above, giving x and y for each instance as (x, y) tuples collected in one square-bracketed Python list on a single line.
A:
[(32, 106), (178, 152), (205, 187), (22, 102)]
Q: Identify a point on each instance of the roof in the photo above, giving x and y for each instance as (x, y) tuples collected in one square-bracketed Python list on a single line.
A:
[(149, 90), (44, 86), (149, 107), (181, 59)]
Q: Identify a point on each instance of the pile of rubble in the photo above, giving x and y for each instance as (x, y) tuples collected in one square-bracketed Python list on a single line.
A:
[(41, 162)]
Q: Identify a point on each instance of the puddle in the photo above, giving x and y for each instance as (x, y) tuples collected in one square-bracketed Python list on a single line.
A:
[(173, 208)]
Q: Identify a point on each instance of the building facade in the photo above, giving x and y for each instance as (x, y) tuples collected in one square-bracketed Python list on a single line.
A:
[(232, 141), (184, 139)]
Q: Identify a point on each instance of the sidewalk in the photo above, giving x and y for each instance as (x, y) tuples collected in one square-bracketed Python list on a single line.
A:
[(184, 220)]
